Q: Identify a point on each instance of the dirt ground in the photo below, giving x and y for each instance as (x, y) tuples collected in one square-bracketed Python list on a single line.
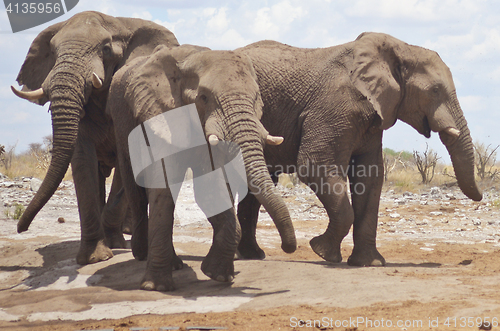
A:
[(442, 273)]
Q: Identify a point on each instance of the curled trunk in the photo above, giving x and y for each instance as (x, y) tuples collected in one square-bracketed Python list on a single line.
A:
[(66, 105), (462, 154), (242, 129)]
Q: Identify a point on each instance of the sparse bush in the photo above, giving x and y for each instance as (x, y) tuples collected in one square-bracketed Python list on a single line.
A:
[(17, 213), (394, 160), (32, 163), (7, 156), (426, 163), (485, 157)]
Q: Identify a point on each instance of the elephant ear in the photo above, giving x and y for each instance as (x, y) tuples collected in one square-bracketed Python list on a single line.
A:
[(376, 74), (145, 37), (154, 84), (39, 61)]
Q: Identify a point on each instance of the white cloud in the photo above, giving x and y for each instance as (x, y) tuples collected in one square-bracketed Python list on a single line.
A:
[(488, 47), (418, 10), (145, 15), (229, 40), (273, 22), (219, 21)]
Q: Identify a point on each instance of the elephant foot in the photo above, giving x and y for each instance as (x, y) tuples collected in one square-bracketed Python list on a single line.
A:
[(322, 246), (139, 242), (177, 263), (252, 251), (158, 280), (113, 238), (92, 252), (217, 268), (366, 256), (126, 229), (127, 226)]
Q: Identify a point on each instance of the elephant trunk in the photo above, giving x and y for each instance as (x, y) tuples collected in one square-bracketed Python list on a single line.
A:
[(242, 128), (461, 152), (66, 94)]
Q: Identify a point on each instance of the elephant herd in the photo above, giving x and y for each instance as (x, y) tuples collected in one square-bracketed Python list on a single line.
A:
[(318, 112)]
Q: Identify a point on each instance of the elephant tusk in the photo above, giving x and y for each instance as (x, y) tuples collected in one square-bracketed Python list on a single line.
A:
[(213, 140), (31, 95), (274, 140), (96, 81), (452, 132)]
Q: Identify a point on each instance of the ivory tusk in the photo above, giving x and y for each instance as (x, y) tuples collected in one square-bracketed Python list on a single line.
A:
[(452, 132), (213, 140), (96, 81), (274, 140), (31, 95)]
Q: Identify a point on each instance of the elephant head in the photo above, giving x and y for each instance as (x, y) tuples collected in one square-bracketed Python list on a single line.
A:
[(414, 85), (71, 64), (223, 86)]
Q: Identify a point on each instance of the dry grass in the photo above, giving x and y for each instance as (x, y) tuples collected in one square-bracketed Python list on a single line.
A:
[(27, 165)]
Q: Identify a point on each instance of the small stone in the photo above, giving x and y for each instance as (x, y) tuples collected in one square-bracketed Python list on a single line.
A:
[(476, 222), (400, 201), (435, 190), (61, 220), (436, 213), (394, 215)]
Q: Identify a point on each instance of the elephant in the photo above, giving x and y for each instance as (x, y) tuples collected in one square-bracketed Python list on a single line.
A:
[(332, 105), (222, 85), (71, 64)]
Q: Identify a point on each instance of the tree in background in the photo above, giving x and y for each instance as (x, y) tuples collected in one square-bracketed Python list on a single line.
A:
[(426, 163), (485, 160)]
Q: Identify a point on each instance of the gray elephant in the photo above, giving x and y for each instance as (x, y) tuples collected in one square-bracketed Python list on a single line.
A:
[(222, 85), (332, 105), (71, 64)]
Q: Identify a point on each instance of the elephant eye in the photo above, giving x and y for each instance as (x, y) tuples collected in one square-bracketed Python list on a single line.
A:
[(204, 98), (435, 90), (106, 50)]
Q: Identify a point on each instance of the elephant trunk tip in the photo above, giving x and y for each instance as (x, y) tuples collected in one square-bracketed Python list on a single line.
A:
[(22, 226), (289, 247)]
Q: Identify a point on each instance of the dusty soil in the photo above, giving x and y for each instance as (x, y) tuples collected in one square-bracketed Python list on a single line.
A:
[(442, 272)]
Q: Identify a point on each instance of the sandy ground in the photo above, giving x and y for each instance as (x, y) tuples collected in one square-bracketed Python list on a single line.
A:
[(442, 272)]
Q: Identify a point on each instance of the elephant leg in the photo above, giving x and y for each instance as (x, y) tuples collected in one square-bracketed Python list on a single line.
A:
[(219, 262), (332, 192), (248, 214), (86, 178), (161, 250), (137, 201), (127, 222), (114, 212), (366, 187)]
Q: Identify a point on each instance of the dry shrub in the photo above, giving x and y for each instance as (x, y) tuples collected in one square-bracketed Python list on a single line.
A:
[(33, 163)]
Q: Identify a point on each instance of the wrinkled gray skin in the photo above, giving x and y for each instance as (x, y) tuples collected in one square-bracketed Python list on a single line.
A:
[(331, 105), (72, 63), (223, 87)]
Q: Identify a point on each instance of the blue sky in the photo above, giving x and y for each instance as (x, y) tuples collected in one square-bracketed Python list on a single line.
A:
[(465, 33)]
